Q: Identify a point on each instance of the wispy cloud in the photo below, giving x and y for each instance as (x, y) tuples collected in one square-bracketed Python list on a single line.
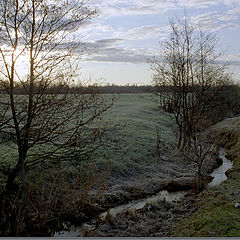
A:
[(144, 32), (105, 51), (213, 21), (109, 40), (197, 3), (108, 8)]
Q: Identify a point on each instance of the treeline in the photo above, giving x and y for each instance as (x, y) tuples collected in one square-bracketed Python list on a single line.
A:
[(126, 89), (224, 104), (76, 89)]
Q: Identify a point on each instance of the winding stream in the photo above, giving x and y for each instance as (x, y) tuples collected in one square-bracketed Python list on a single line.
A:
[(218, 175)]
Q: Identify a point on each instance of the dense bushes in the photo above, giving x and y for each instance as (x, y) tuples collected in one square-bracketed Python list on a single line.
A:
[(45, 203), (226, 104)]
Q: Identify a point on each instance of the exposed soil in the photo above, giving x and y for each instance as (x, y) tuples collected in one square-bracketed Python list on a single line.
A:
[(166, 172), (161, 218)]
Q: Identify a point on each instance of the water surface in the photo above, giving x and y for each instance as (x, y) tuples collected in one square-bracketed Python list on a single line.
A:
[(218, 174)]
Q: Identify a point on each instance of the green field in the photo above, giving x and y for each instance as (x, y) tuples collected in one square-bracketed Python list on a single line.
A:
[(138, 170), (129, 143), (132, 137)]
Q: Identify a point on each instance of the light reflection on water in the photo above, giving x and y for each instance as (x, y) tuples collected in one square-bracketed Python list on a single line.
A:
[(219, 173), (139, 204)]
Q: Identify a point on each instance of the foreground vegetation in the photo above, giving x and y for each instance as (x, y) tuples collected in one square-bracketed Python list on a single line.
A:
[(139, 172), (39, 207)]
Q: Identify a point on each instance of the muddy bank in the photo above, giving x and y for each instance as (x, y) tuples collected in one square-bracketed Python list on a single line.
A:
[(149, 188), (156, 221), (170, 172)]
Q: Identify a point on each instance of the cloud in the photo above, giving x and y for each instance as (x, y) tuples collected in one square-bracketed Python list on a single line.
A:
[(106, 50), (101, 44), (215, 17), (213, 21), (211, 15), (131, 55), (197, 3), (119, 57), (108, 8), (110, 41), (144, 32), (113, 8)]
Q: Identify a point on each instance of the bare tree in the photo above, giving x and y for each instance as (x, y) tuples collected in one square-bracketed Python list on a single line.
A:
[(198, 151), (40, 35), (187, 77)]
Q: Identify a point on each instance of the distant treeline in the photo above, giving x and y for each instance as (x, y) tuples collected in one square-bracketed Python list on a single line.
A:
[(104, 89), (126, 89), (75, 89)]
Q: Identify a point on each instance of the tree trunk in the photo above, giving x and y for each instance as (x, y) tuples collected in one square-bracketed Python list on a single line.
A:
[(180, 137), (11, 179), (19, 169), (200, 182)]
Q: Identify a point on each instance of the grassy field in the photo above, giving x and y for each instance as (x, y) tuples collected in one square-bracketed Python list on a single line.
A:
[(211, 213), (135, 118), (137, 171), (130, 139), (129, 146)]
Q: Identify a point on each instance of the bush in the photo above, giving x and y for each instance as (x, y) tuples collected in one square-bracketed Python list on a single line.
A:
[(226, 104)]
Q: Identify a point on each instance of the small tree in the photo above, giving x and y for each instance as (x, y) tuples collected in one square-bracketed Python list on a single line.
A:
[(187, 78), (198, 151), (44, 126)]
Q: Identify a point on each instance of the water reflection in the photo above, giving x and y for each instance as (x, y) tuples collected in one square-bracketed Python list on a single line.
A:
[(218, 174)]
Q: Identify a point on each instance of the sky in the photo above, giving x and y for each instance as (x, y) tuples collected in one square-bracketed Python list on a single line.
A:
[(126, 33)]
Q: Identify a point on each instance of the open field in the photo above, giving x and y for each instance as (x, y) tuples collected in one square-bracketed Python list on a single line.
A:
[(130, 148), (138, 168), (132, 138)]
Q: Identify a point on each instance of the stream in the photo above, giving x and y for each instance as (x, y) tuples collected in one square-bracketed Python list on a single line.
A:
[(218, 177), (218, 174)]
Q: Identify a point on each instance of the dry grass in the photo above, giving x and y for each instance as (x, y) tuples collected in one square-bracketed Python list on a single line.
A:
[(39, 209)]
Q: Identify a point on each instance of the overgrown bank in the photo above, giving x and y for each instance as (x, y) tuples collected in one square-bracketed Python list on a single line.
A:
[(217, 215)]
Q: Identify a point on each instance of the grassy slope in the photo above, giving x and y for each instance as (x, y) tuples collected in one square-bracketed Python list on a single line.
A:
[(217, 216), (134, 139)]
